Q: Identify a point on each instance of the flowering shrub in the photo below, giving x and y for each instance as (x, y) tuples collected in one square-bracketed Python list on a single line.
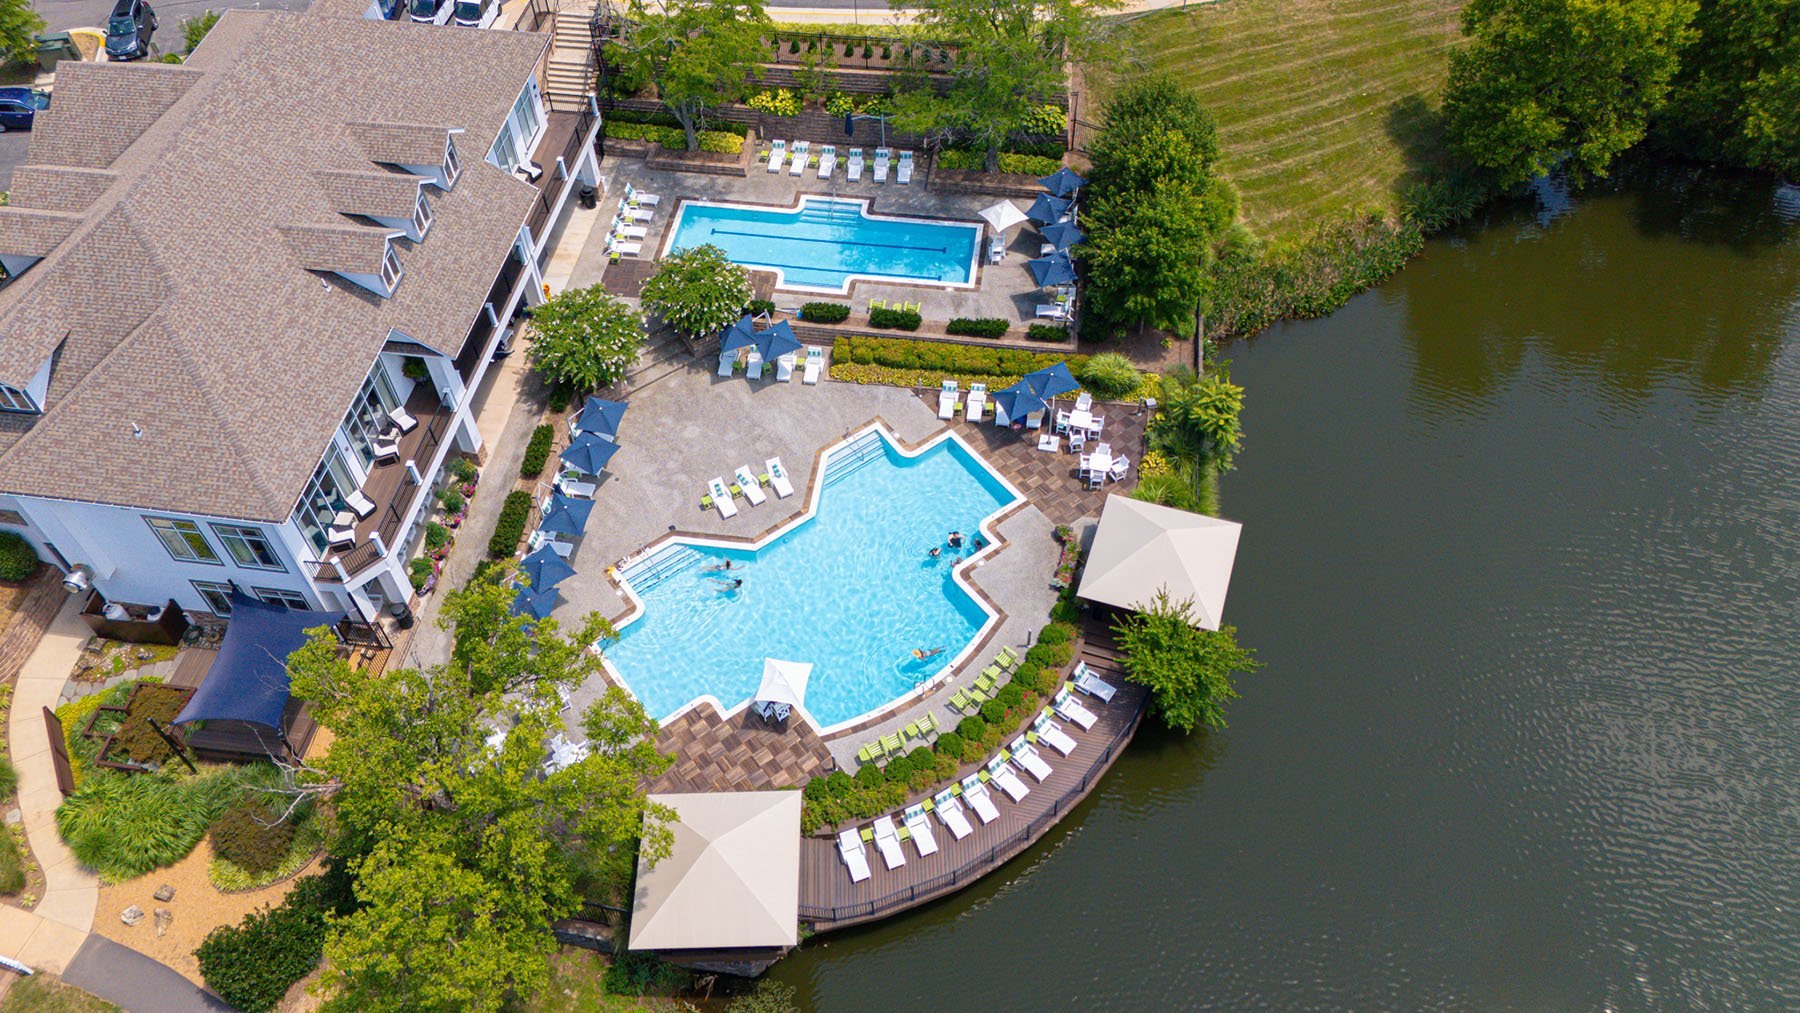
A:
[(776, 102)]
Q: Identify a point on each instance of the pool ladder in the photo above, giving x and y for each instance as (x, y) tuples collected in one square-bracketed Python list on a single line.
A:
[(661, 565), (853, 456)]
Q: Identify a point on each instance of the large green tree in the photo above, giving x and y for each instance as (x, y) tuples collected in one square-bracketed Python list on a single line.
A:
[(1189, 671), (19, 22), (698, 290), (464, 852), (698, 53), (584, 339), (1737, 96), (1545, 84)]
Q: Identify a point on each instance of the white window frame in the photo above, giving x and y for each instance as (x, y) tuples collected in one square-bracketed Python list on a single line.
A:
[(207, 588), (283, 597), (246, 533), (173, 531), (421, 218), (452, 165), (391, 269)]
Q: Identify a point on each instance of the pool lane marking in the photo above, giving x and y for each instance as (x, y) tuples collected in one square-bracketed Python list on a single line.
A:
[(834, 242)]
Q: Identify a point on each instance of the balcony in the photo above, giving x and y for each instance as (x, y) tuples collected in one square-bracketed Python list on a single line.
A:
[(391, 488), (564, 135)]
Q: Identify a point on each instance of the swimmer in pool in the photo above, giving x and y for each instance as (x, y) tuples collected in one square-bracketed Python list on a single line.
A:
[(726, 565), (935, 552), (728, 585), (920, 654), (956, 539)]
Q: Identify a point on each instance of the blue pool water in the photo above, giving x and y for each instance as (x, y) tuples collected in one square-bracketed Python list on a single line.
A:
[(826, 242), (851, 590)]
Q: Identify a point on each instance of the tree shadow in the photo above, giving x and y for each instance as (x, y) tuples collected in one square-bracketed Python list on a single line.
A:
[(1417, 130)]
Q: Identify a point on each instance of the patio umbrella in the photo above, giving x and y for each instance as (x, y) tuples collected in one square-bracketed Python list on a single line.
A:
[(589, 453), (1062, 182), (776, 342), (1017, 401), (1047, 209), (599, 416), (545, 569), (738, 335), (1056, 269), (534, 602), (567, 515), (1051, 381), (1063, 234), (1003, 216), (783, 682)]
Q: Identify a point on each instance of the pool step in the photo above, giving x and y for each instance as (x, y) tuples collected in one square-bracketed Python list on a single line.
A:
[(850, 458), (646, 573)]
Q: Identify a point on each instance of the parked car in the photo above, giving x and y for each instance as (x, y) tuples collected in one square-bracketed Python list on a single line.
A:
[(129, 29), (432, 12), (19, 106), (476, 13)]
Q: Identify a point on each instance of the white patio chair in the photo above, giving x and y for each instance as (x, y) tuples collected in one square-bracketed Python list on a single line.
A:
[(341, 536), (1084, 401), (949, 812), (360, 503), (887, 839), (827, 160), (638, 197), (721, 497), (1120, 466), (401, 420), (751, 485), (947, 399), (778, 478), (815, 365), (903, 171), (882, 155), (922, 837), (1062, 421), (976, 405), (385, 449)]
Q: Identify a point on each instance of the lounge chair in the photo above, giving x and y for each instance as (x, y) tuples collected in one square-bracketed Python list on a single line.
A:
[(617, 249), (1052, 734), (402, 421), (1093, 685), (850, 848), (777, 155), (341, 536), (721, 497), (750, 484), (359, 503), (1051, 311), (827, 160), (853, 168), (728, 362), (892, 744), (784, 368), (949, 812), (1027, 757), (977, 404), (985, 682), (631, 232), (996, 249), (959, 701), (802, 149), (887, 838), (922, 837), (637, 197), (976, 794), (630, 214), (1009, 782), (1007, 658), (947, 399), (569, 485), (385, 448), (903, 171), (978, 696), (778, 478), (1071, 709), (541, 538), (881, 164), (869, 753), (815, 364)]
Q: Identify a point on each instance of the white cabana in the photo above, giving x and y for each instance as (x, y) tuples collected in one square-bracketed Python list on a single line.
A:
[(731, 879), (1003, 216), (783, 686), (1141, 548)]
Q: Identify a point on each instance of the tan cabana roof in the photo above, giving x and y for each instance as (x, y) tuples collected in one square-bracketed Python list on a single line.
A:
[(1142, 547), (732, 878)]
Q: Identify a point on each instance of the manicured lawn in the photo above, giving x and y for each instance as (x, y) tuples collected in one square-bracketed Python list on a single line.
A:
[(45, 993), (576, 987), (1323, 105)]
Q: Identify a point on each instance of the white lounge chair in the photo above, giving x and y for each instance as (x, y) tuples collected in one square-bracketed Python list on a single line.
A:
[(638, 197), (778, 478), (1071, 709), (827, 160), (1093, 685), (752, 488), (569, 485), (802, 149), (977, 403), (385, 448), (753, 363), (947, 399), (627, 215), (341, 536), (541, 538), (903, 171), (631, 232), (850, 849), (997, 249), (777, 155), (976, 794), (728, 362), (721, 497), (617, 249), (815, 364), (1052, 311), (887, 839), (854, 167), (922, 837), (1009, 782), (784, 368), (1050, 733), (949, 812), (1025, 756), (402, 421), (359, 503), (881, 164)]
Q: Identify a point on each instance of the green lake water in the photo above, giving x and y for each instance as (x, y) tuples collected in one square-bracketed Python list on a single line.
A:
[(1522, 555)]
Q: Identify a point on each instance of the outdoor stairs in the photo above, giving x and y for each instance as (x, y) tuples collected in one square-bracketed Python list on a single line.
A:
[(569, 74), (1099, 648)]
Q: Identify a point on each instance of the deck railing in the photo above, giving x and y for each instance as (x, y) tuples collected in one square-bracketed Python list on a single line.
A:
[(554, 184)]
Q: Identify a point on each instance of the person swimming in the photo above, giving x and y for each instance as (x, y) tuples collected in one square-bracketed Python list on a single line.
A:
[(718, 567), (935, 552), (920, 654), (980, 542), (956, 539), (724, 584)]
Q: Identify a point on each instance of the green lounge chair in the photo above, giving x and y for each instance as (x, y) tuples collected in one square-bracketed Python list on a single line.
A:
[(959, 701), (869, 753), (929, 724), (985, 683), (891, 743), (1007, 658)]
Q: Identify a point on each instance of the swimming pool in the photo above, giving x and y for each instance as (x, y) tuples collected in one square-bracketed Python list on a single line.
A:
[(851, 590), (825, 244)]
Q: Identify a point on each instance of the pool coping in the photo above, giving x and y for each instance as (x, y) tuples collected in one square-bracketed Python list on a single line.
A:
[(961, 573), (850, 281)]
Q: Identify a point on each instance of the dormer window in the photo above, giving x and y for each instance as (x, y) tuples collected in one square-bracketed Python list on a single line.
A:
[(421, 219), (452, 167), (13, 399), (390, 269)]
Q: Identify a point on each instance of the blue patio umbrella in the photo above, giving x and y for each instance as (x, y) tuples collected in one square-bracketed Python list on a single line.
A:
[(849, 124), (567, 515), (600, 416), (534, 602), (1062, 182), (776, 342), (1063, 234), (1051, 381), (1047, 209), (588, 453), (545, 569), (1018, 401), (1056, 269), (739, 335)]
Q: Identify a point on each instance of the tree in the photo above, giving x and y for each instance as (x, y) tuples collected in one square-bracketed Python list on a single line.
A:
[(584, 339), (193, 30), (19, 21), (1187, 670), (463, 853), (1736, 98), (698, 53), (1544, 84), (1198, 417), (697, 290)]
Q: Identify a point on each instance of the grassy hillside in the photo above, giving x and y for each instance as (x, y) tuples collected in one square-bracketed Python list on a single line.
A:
[(1323, 105)]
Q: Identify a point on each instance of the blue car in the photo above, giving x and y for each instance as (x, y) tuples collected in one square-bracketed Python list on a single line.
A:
[(19, 106), (129, 29)]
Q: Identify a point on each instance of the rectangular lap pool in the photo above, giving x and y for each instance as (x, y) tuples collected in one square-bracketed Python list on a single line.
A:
[(825, 244)]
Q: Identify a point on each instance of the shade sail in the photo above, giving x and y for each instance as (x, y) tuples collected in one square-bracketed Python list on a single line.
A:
[(1141, 548), (1003, 216), (534, 602), (1062, 234), (1047, 209), (567, 515), (739, 335), (783, 682), (600, 416), (731, 879), (1051, 381), (776, 342), (545, 569), (1056, 269), (248, 681), (588, 453), (1062, 182)]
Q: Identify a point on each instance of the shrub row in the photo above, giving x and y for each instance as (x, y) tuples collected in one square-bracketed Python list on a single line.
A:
[(978, 327), (908, 353), (758, 307), (892, 319), (1045, 332), (825, 312), (675, 139), (18, 560), (254, 963), (511, 525), (537, 451), (1010, 161)]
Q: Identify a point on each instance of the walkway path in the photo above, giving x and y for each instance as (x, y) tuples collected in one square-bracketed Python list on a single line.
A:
[(127, 978)]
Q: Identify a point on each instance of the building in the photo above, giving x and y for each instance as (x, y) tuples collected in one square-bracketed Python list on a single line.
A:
[(250, 297)]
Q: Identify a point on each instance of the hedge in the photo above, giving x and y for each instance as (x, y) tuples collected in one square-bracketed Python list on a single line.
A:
[(1010, 161), (18, 560), (909, 353), (758, 307), (1046, 332), (254, 963), (979, 327), (825, 312), (537, 451), (898, 320), (675, 139), (511, 525)]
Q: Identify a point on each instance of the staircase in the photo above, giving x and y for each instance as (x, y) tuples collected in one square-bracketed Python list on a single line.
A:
[(569, 75)]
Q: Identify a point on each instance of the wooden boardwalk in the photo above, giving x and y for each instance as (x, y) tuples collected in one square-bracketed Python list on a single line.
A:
[(828, 900)]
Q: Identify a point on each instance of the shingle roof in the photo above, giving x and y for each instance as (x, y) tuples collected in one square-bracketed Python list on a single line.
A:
[(375, 194), (186, 299)]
